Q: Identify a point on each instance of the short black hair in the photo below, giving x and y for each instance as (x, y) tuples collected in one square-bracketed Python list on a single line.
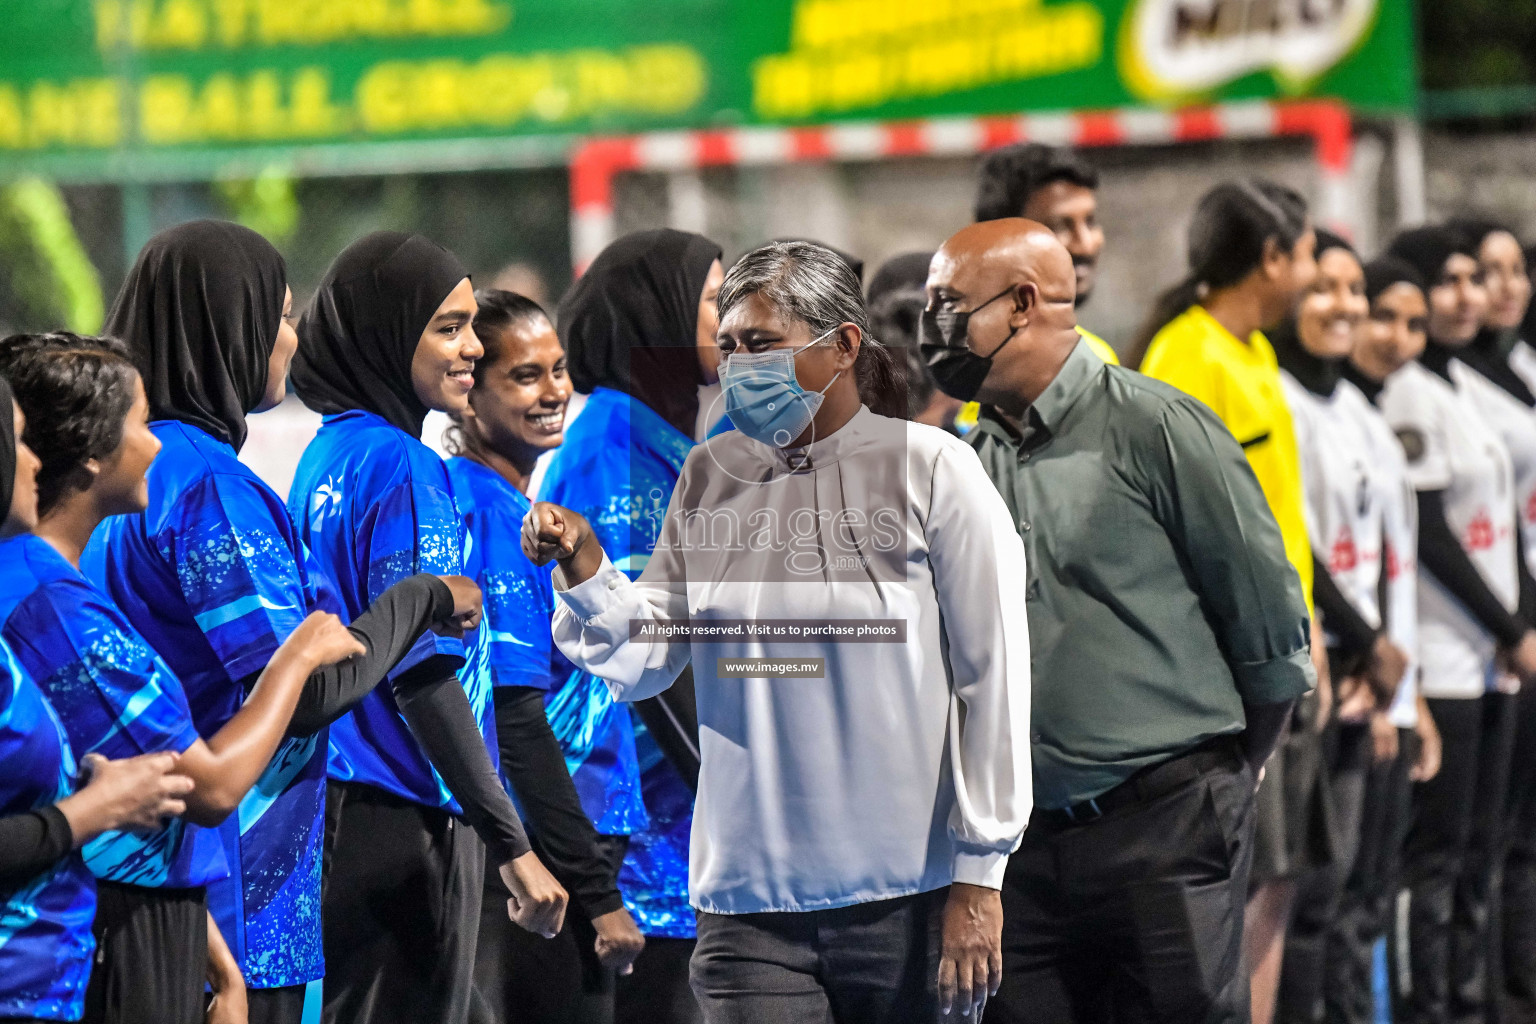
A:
[(1009, 176), (75, 391), (501, 311), (896, 300)]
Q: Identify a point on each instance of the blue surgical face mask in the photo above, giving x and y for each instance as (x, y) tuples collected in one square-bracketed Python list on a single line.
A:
[(763, 397)]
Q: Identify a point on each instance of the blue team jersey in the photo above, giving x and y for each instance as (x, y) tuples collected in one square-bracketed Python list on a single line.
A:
[(213, 575), (45, 921), (519, 596), (617, 467), (375, 506), (115, 697)]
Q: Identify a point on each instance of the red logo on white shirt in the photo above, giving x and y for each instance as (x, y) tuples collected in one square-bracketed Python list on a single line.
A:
[(1344, 556), (1480, 532)]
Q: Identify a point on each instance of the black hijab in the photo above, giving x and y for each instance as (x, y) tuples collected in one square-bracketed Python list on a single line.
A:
[(1385, 271), (360, 333), (1319, 376), (1380, 274), (200, 312), (1426, 250), (7, 449), (631, 322), (1488, 353)]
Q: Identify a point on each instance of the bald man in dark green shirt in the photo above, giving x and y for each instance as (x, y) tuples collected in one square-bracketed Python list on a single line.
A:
[(1169, 643)]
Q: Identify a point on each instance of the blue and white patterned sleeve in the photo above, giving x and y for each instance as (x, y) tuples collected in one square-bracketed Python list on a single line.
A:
[(116, 697), (519, 600), (413, 528), (237, 561)]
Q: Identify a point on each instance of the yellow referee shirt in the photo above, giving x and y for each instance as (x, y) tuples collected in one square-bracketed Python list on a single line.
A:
[(1241, 384), (965, 419), (1100, 346)]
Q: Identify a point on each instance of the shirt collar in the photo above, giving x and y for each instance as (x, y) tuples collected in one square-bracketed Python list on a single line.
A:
[(824, 450), (1044, 417), (1081, 369)]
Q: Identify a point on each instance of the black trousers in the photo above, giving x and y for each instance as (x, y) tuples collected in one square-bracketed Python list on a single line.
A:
[(402, 910), (151, 955), (1519, 889), (522, 978), (1133, 917), (1450, 864), (276, 1005), (658, 990), (871, 963), (1347, 754), (1366, 906)]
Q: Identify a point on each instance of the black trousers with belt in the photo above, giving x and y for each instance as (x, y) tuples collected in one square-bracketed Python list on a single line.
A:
[(1135, 916), (1450, 865)]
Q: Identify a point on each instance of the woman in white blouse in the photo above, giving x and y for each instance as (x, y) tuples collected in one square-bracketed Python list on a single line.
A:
[(858, 797)]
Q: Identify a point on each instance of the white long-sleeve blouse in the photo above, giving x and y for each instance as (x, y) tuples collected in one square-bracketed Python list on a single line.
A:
[(902, 765)]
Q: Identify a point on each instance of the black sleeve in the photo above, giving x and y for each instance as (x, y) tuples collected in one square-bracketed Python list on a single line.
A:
[(436, 708), (1527, 582), (1355, 635), (388, 629), (533, 763), (672, 716), (1265, 727), (31, 842), (1442, 554)]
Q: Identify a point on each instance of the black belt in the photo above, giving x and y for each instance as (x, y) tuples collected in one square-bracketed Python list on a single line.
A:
[(1151, 783)]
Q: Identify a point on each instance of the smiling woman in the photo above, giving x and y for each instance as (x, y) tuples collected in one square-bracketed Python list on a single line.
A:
[(515, 413), (443, 368), (388, 337)]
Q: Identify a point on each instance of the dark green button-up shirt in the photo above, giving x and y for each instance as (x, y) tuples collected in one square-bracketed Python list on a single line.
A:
[(1160, 599)]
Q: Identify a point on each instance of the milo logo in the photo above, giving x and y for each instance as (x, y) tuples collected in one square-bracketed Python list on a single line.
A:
[(1179, 48)]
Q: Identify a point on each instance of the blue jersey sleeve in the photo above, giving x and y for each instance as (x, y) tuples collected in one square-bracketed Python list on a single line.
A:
[(415, 527), (114, 695), (625, 499), (240, 568), (519, 601)]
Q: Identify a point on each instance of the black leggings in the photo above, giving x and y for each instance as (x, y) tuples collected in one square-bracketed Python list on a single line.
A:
[(151, 955), (658, 991), (1370, 894), (522, 978), (276, 1005), (402, 910), (1519, 889), (1347, 754), (1450, 866)]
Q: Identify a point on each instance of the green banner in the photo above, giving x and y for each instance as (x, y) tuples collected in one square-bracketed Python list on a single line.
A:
[(168, 88)]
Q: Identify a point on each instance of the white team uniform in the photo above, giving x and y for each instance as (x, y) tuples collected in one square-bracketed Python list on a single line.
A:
[(1517, 425), (1361, 516), (1451, 447)]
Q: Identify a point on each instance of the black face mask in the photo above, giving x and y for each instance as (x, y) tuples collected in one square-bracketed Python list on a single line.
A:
[(957, 370)]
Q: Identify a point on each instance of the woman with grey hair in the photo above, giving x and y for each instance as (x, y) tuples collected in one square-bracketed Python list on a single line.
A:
[(850, 592)]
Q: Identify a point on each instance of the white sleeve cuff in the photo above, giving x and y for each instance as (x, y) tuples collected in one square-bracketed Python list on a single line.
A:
[(594, 596), (980, 867)]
